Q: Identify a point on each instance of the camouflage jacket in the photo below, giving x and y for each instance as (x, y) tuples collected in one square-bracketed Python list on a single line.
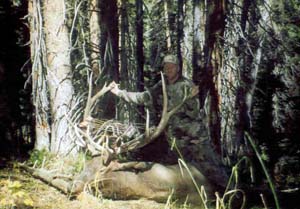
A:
[(185, 122)]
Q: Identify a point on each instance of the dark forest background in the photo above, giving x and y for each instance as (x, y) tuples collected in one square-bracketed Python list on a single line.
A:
[(243, 54)]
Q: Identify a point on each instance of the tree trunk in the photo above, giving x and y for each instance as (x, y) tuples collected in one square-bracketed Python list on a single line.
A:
[(95, 39), (39, 84), (180, 20), (157, 36), (168, 33), (188, 36), (243, 120), (215, 24), (198, 45), (123, 52), (139, 53), (109, 52), (123, 107), (59, 75), (239, 76), (249, 53)]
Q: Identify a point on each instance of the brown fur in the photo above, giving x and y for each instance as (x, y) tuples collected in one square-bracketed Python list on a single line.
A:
[(136, 180)]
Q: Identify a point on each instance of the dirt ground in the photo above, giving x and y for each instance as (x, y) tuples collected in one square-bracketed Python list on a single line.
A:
[(19, 190)]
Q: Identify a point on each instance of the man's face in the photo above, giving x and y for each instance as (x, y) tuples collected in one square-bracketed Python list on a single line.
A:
[(170, 70)]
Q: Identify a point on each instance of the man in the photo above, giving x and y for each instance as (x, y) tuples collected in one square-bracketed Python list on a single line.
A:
[(185, 127)]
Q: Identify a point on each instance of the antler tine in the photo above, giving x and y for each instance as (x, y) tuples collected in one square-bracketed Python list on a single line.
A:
[(164, 117), (104, 89), (92, 146), (92, 100), (88, 103), (147, 131)]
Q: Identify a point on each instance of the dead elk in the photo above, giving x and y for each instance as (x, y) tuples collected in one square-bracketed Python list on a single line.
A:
[(135, 180), (131, 180)]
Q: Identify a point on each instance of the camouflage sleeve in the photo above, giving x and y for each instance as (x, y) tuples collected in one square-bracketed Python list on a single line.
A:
[(192, 105), (192, 108), (141, 98)]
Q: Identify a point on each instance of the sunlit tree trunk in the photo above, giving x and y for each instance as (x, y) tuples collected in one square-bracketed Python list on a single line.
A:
[(240, 75), (188, 36), (95, 38), (229, 80), (198, 45), (168, 33), (39, 84), (59, 74)]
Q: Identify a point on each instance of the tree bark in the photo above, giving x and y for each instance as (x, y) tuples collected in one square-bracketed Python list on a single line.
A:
[(39, 83), (249, 53), (95, 38), (168, 33), (59, 74), (215, 25), (180, 20), (123, 52), (109, 53), (123, 107), (198, 44), (139, 52)]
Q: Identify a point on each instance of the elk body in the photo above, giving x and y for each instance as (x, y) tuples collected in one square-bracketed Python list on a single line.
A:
[(134, 180)]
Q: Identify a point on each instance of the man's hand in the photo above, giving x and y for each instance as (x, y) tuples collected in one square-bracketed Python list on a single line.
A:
[(114, 88)]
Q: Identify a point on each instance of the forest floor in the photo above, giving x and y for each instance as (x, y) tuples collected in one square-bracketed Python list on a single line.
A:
[(19, 190)]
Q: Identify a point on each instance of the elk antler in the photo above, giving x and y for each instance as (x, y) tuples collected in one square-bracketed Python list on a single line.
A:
[(153, 133), (142, 139), (91, 100), (92, 146)]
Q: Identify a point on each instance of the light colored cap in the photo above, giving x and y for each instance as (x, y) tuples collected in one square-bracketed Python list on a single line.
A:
[(170, 59)]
